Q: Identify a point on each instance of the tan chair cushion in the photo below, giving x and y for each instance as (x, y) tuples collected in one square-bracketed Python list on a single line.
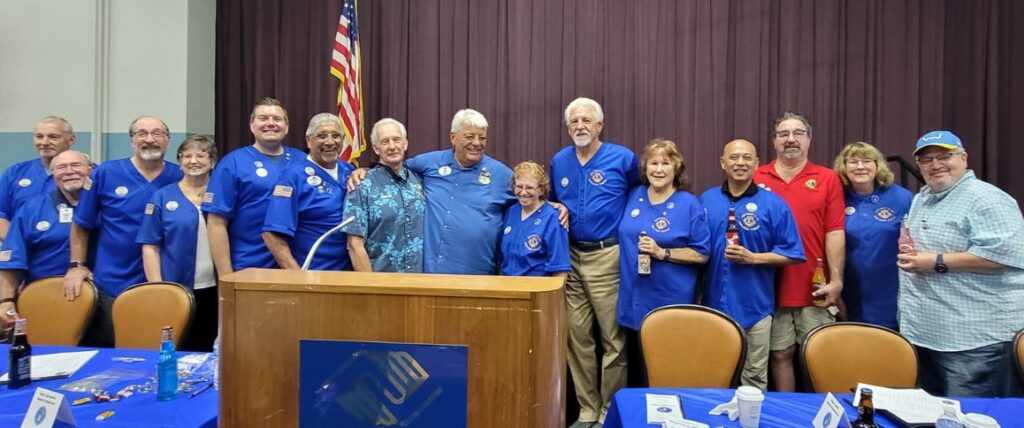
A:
[(50, 318), (840, 355), (690, 346), (1018, 353), (141, 311)]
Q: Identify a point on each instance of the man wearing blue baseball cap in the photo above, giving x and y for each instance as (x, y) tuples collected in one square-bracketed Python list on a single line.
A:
[(962, 293)]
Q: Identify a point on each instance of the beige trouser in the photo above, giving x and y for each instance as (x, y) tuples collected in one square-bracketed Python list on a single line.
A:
[(791, 325), (755, 365), (592, 293)]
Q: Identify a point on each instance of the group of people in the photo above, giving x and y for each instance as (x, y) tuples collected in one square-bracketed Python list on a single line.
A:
[(624, 230)]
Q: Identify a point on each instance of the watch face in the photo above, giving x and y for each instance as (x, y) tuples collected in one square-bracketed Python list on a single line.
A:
[(941, 268)]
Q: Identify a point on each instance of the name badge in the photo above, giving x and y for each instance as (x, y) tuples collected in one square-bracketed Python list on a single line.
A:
[(66, 213)]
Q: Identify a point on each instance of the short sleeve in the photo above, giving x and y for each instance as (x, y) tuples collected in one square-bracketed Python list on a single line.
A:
[(14, 252), (787, 241), (222, 190), (835, 216), (557, 240), (995, 230), (283, 207), (356, 203), (6, 195), (88, 210), (700, 234)]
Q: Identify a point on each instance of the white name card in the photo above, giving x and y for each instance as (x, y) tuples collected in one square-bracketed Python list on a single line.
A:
[(46, 408), (831, 414)]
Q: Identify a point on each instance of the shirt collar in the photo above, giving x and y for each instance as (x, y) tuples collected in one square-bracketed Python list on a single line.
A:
[(752, 190)]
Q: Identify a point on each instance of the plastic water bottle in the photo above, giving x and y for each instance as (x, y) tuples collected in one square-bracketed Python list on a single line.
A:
[(215, 363), (167, 367), (949, 418)]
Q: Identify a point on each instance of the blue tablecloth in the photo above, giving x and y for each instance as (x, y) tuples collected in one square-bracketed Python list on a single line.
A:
[(134, 411), (780, 409)]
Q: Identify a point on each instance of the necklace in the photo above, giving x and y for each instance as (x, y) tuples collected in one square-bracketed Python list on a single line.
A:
[(189, 191)]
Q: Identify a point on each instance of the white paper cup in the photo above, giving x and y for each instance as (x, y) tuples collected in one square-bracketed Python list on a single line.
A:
[(978, 420), (749, 400)]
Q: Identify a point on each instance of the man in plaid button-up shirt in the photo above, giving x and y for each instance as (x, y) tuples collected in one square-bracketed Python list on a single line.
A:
[(962, 294)]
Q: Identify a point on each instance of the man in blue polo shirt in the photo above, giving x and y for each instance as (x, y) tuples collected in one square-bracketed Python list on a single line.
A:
[(37, 245), (467, 194), (110, 212), (239, 192), (592, 179), (309, 201), (740, 277), (26, 180)]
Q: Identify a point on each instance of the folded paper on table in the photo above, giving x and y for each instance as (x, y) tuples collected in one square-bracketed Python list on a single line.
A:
[(907, 407), (56, 366)]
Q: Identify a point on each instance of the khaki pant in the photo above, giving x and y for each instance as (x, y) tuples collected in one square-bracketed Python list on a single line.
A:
[(592, 294), (791, 325), (755, 365)]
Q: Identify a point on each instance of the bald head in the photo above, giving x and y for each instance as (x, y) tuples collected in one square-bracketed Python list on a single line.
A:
[(739, 159)]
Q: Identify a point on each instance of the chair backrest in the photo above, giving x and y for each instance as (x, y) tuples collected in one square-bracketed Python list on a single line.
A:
[(1018, 353), (142, 310), (691, 346), (837, 356), (50, 318)]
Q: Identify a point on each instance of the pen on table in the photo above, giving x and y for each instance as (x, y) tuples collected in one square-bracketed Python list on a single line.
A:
[(200, 391)]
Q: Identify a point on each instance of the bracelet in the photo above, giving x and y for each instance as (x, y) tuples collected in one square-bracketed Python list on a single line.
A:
[(668, 254)]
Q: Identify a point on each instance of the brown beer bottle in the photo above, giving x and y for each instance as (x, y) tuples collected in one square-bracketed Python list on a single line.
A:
[(866, 410), (20, 358)]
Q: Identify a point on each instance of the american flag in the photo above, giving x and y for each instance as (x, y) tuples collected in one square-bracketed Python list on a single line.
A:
[(345, 66)]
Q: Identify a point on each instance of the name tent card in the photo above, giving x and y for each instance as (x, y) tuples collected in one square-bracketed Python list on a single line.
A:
[(46, 409), (831, 414)]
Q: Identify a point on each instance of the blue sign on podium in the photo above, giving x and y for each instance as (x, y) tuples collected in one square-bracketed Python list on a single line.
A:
[(375, 384)]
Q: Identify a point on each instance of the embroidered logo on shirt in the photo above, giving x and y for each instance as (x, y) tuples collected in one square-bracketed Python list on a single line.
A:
[(5, 256), (851, 210), (208, 198), (282, 191), (171, 205), (884, 214), (150, 208), (749, 221), (43, 226), (87, 185), (565, 182), (533, 242), (444, 171), (811, 183), (485, 177), (121, 191), (597, 177), (24, 182), (661, 224)]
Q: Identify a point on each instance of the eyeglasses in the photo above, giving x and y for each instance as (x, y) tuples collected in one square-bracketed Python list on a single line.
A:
[(197, 156), (520, 187), (76, 166), (157, 135), (387, 142), (943, 158), (799, 133), (854, 163), (332, 136)]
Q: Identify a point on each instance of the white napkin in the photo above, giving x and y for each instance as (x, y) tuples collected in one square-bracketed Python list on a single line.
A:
[(730, 408)]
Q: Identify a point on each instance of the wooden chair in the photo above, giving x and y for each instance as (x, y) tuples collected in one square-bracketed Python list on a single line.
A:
[(691, 346), (838, 356), (51, 318), (142, 310), (1018, 353)]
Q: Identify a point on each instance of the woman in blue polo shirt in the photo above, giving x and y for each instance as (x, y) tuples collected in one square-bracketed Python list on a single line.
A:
[(533, 243), (875, 207), (174, 241)]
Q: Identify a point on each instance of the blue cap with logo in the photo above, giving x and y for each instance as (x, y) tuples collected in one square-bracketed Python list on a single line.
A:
[(944, 139)]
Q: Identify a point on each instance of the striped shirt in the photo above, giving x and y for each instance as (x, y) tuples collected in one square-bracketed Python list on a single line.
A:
[(959, 311)]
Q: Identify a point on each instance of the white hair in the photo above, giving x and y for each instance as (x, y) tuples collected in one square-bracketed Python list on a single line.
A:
[(585, 102), (468, 116), (320, 119), (387, 121)]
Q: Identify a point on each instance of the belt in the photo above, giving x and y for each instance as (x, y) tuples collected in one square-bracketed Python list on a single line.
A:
[(594, 246)]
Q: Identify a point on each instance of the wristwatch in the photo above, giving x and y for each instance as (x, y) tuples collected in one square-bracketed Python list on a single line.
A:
[(76, 264), (668, 254), (940, 267)]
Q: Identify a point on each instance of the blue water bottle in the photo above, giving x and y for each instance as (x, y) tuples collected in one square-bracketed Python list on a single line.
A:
[(167, 367)]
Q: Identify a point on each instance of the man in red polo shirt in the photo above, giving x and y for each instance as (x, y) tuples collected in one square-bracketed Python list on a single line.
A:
[(815, 195)]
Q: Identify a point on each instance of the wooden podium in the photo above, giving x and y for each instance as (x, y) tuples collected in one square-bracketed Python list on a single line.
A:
[(514, 328)]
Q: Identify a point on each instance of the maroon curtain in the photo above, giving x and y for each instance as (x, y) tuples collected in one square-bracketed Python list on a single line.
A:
[(699, 72)]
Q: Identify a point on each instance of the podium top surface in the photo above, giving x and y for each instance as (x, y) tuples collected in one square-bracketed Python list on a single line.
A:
[(508, 287)]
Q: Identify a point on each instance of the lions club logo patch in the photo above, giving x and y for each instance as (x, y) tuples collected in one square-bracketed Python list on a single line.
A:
[(661, 224), (749, 221), (597, 177), (811, 184), (533, 242), (884, 214)]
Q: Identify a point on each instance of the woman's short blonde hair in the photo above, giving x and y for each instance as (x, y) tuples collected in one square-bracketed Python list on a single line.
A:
[(862, 150), (667, 148), (534, 170)]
